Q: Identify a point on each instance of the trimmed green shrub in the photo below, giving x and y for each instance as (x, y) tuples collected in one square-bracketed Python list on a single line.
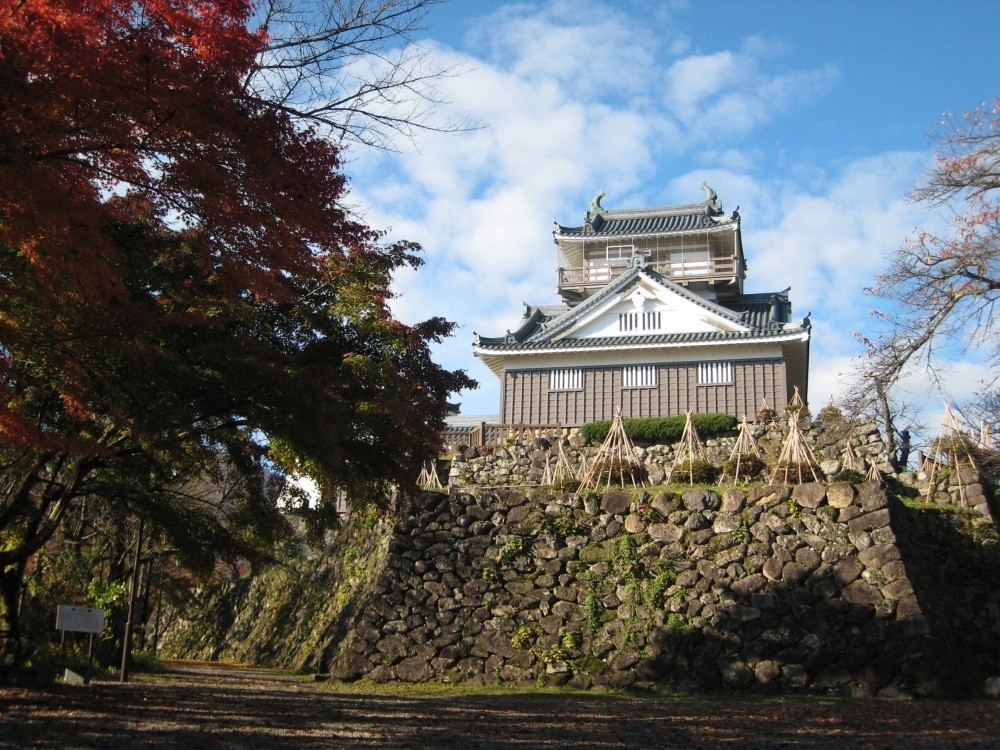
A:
[(619, 471), (830, 414), (662, 430), (568, 484), (791, 472)]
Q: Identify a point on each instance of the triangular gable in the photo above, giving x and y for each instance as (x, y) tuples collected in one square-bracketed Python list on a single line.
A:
[(643, 302)]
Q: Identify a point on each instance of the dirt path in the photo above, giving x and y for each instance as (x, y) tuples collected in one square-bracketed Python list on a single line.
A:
[(203, 706)]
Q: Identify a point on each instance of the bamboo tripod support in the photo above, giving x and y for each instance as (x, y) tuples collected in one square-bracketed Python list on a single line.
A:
[(874, 475), (616, 456), (851, 461), (583, 468), (429, 479), (985, 439), (691, 448), (951, 443), (745, 447), (561, 471), (765, 408), (795, 452)]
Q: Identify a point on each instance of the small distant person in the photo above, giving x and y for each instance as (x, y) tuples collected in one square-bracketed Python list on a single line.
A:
[(904, 448)]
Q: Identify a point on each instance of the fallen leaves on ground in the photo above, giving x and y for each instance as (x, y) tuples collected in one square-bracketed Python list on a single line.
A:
[(224, 707)]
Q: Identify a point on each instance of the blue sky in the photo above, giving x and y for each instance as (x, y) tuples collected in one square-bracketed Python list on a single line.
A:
[(811, 117)]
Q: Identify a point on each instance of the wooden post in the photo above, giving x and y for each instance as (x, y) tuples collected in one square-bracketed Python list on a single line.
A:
[(127, 640)]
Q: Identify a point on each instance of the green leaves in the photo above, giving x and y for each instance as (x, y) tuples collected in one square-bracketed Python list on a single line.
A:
[(662, 430), (181, 289)]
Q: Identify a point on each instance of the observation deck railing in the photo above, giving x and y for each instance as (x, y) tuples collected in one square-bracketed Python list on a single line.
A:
[(691, 270)]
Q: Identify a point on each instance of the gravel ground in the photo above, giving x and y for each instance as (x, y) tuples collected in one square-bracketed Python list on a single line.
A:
[(213, 706)]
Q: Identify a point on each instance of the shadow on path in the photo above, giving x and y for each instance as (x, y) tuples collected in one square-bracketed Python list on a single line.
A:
[(212, 706)]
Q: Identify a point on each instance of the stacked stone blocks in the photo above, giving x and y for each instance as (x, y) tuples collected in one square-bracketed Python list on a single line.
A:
[(775, 588)]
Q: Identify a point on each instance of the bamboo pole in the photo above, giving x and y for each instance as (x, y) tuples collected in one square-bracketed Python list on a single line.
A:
[(616, 452)]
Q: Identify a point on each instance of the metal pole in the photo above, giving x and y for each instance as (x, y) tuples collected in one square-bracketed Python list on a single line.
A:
[(127, 640)]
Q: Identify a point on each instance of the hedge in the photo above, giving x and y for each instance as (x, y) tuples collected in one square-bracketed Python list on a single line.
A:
[(662, 430)]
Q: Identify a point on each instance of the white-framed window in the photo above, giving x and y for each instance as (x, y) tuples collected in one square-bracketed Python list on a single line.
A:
[(606, 263), (618, 253), (715, 373), (639, 376), (566, 379), (639, 321)]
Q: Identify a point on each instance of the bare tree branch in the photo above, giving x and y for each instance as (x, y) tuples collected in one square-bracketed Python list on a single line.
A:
[(352, 69), (945, 288), (968, 160)]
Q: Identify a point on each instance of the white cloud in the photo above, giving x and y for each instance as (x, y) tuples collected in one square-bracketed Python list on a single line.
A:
[(692, 80), (574, 97), (830, 244), (728, 92), (589, 48), (827, 378)]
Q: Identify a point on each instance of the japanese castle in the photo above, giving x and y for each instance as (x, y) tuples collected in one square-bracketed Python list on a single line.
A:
[(654, 318)]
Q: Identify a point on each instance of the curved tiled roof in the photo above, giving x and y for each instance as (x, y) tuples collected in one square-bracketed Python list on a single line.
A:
[(758, 310), (648, 221), (623, 342), (531, 324), (754, 312)]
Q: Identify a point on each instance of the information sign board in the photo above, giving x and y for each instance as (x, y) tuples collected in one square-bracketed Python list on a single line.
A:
[(79, 619)]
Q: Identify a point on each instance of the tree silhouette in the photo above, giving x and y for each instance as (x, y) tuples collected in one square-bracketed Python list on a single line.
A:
[(181, 289)]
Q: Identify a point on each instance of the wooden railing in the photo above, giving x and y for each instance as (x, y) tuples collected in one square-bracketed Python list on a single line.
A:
[(693, 270), (495, 434)]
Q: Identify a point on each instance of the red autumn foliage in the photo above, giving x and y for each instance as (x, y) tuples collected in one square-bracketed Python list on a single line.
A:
[(180, 281)]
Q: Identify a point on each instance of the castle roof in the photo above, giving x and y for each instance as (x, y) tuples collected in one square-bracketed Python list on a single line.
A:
[(632, 222), (749, 318)]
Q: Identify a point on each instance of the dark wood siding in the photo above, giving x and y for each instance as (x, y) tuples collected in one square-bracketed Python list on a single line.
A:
[(527, 398)]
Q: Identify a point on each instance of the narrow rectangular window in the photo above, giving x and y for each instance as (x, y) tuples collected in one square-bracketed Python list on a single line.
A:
[(566, 379), (639, 376), (628, 322), (633, 321), (715, 373)]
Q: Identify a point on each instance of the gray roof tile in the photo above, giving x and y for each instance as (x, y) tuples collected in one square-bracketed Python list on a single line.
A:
[(647, 221), (541, 324)]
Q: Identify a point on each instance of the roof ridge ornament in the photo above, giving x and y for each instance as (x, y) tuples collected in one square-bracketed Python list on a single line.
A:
[(713, 206), (595, 217), (638, 259), (595, 202)]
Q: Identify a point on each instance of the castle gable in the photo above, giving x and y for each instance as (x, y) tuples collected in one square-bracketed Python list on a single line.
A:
[(646, 305)]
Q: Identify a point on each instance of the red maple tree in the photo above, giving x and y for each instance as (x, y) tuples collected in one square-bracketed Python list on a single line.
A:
[(180, 284)]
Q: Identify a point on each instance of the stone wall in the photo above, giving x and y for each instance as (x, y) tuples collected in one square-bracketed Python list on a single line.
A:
[(963, 487), (807, 588), (292, 614), (523, 464)]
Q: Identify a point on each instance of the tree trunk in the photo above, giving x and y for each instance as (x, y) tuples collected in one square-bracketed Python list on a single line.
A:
[(11, 581), (889, 425)]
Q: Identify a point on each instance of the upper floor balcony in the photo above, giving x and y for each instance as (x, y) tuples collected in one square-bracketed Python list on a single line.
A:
[(579, 283)]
